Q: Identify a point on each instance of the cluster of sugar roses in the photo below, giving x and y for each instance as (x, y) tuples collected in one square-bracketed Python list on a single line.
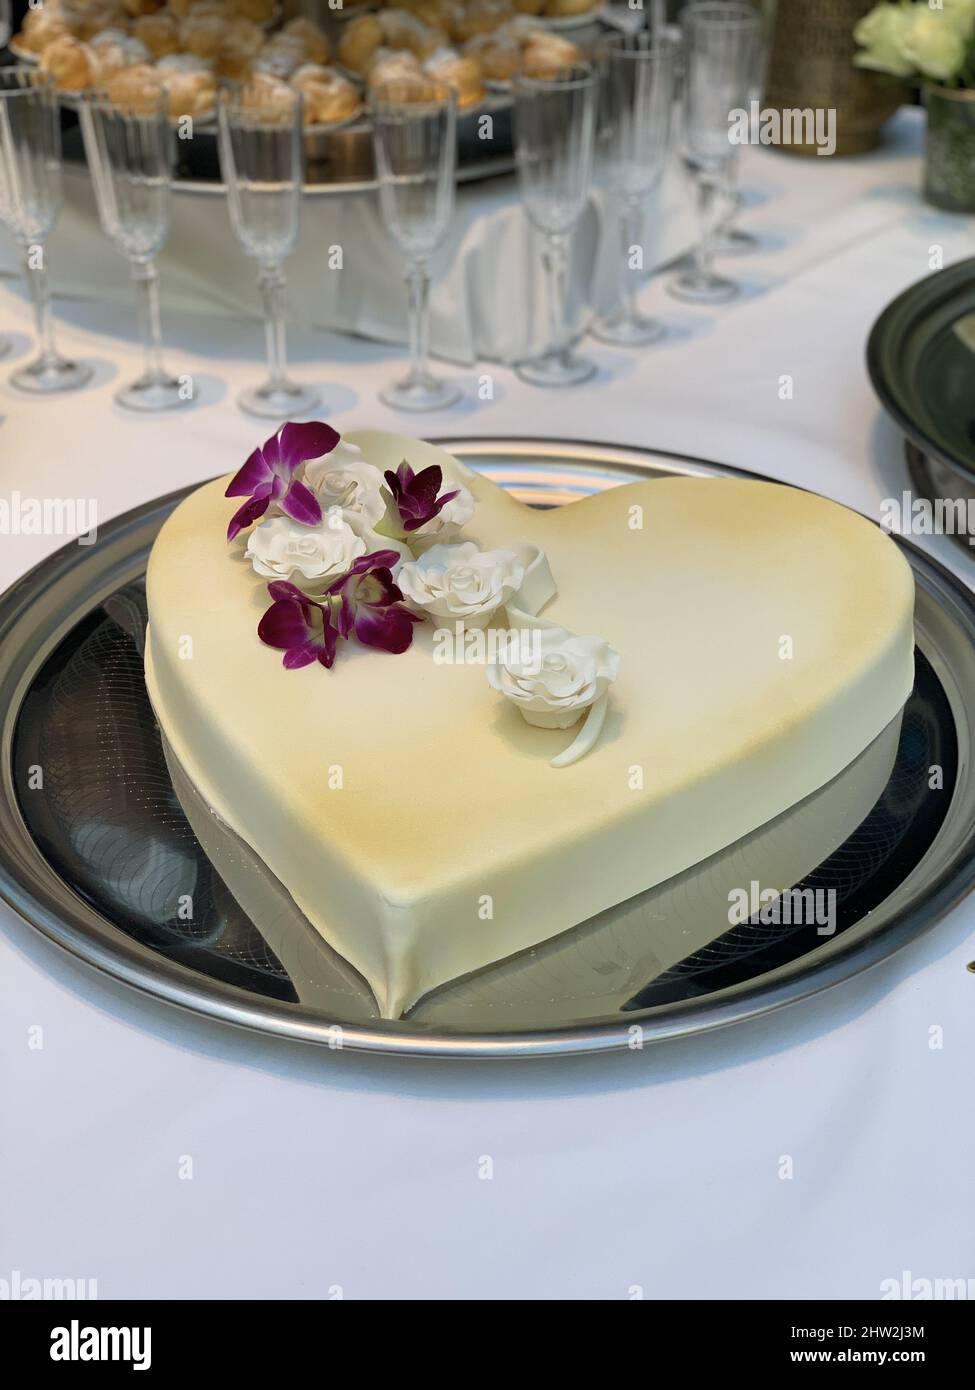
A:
[(350, 551)]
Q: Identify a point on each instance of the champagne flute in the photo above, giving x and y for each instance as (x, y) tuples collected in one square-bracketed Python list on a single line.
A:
[(555, 125), (30, 202), (730, 240), (129, 148), (721, 39), (261, 160), (636, 106), (415, 143)]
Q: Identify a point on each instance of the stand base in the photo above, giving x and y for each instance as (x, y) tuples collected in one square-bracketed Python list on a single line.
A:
[(695, 288), (152, 393), (735, 242), (279, 400), (420, 393), (628, 331), (556, 369), (46, 374)]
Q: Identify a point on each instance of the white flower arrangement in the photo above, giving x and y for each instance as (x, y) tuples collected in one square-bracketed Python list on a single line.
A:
[(921, 40), (350, 551)]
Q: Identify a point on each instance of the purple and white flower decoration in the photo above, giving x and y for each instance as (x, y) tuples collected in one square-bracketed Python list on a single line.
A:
[(371, 605), (412, 500), (330, 504), (299, 626), (270, 475), (322, 504)]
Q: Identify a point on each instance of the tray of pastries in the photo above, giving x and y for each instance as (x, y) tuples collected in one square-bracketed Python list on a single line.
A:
[(190, 48), (419, 36)]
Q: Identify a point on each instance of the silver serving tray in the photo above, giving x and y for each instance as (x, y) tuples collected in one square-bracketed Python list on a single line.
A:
[(338, 158), (94, 859)]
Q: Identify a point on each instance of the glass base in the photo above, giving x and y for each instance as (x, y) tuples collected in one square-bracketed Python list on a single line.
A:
[(625, 330), (153, 393), (278, 400), (734, 242), (695, 288), (424, 392), (47, 373), (556, 369)]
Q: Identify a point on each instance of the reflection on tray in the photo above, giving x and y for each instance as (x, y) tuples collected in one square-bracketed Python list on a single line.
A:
[(114, 826)]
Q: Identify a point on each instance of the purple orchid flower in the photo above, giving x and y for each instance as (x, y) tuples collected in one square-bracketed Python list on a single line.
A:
[(411, 498), (371, 605), (299, 626), (269, 475)]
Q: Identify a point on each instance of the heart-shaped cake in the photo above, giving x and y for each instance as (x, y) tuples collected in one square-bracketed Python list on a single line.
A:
[(749, 641)]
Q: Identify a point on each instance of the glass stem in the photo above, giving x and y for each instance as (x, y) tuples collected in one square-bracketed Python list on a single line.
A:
[(729, 195), (631, 225), (146, 280), (271, 281), (708, 204), (418, 290), (556, 262), (36, 274)]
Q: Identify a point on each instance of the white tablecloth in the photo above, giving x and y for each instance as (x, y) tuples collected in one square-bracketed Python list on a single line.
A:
[(488, 296), (659, 1171)]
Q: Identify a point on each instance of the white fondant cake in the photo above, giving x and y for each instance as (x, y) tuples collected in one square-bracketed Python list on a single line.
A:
[(747, 642)]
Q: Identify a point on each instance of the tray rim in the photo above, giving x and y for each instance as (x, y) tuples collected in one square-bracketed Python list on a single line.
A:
[(888, 332), (35, 893), (478, 171)]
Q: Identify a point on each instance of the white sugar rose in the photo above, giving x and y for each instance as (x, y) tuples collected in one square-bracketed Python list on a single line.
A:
[(459, 510), (344, 479), (563, 677), (310, 556), (461, 583)]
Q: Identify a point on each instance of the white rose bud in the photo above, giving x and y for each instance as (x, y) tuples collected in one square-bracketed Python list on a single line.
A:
[(555, 690), (343, 478), (459, 510), (445, 528), (311, 556), (461, 583)]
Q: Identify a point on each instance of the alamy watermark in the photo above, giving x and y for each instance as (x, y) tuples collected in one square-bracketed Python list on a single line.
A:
[(908, 515), (787, 907), (488, 646), (24, 1288), (82, 1343), (909, 1287), (790, 125), (49, 516)]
